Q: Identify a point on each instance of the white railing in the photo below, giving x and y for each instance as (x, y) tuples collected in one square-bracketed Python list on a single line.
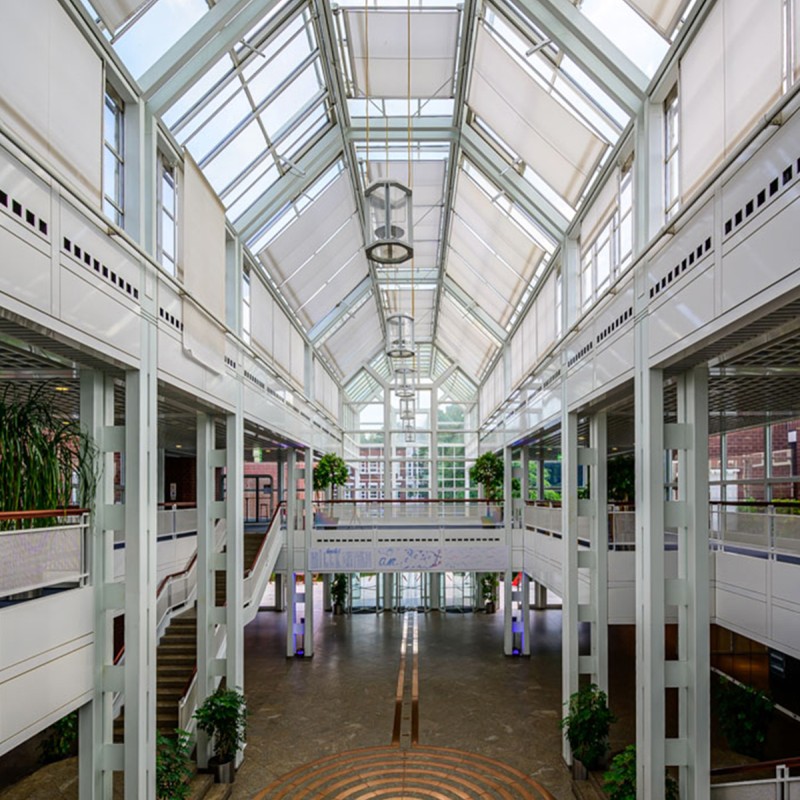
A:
[(781, 787), (407, 513), (257, 576), (40, 557), (188, 703), (760, 526), (177, 518)]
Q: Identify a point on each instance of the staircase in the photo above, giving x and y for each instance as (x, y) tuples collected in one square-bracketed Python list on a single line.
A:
[(252, 544)]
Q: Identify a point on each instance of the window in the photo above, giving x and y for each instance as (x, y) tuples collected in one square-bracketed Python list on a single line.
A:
[(610, 252), (167, 218), (246, 305), (671, 180), (113, 158)]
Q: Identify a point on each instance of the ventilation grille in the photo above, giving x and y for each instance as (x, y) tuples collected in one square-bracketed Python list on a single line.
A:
[(612, 326), (584, 351), (24, 214), (678, 270), (170, 318), (763, 198), (101, 269)]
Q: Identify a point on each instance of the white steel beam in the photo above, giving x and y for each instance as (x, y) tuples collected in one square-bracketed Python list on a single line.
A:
[(201, 47), (693, 568), (308, 498), (508, 522), (599, 547), (141, 469), (569, 558), (341, 309), (496, 169), (291, 184), (590, 48), (468, 303), (234, 561), (206, 522), (650, 600), (95, 718)]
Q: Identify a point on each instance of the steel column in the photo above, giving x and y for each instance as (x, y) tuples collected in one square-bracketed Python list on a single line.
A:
[(569, 534), (650, 600), (234, 561), (95, 723), (308, 497)]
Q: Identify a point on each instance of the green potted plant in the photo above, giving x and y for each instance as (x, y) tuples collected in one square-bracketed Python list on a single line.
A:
[(488, 470), (331, 470), (338, 592), (619, 782), (744, 714), (586, 727), (489, 583), (62, 740), (173, 765), (223, 717)]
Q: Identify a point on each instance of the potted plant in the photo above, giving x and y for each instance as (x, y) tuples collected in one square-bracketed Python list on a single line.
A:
[(489, 583), (62, 740), (223, 717), (173, 766), (619, 782), (338, 592), (488, 470), (586, 727), (331, 470)]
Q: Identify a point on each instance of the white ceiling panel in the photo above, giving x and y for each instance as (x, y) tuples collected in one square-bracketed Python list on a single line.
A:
[(328, 292), (463, 339), (308, 233), (663, 14), (434, 37), (546, 135), (477, 283), (356, 341), (489, 222)]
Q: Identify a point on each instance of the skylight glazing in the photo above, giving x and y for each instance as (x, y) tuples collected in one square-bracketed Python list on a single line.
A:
[(253, 114)]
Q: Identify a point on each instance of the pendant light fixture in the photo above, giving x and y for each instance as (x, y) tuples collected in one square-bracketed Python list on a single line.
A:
[(400, 336)]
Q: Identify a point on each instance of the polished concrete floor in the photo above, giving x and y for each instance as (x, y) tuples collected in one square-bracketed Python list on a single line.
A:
[(471, 697)]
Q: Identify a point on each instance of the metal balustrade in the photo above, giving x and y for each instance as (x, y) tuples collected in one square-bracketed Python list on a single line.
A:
[(43, 549), (408, 513), (764, 527)]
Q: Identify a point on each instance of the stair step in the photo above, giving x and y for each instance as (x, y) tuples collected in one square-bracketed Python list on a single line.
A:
[(219, 791), (200, 786)]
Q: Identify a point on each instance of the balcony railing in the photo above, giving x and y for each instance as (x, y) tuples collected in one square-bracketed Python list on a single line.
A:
[(408, 514), (43, 549), (772, 528)]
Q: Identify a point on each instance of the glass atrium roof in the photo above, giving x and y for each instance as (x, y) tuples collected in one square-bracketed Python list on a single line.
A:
[(498, 115)]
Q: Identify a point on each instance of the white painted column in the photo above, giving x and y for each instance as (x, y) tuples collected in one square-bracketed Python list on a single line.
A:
[(208, 511), (308, 482), (508, 521), (97, 755), (141, 470), (234, 556), (690, 592), (291, 520), (597, 556), (569, 533), (650, 601)]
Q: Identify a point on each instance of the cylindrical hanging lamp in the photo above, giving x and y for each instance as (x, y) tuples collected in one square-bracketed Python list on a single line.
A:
[(400, 336), (404, 387), (390, 237), (410, 433), (407, 410)]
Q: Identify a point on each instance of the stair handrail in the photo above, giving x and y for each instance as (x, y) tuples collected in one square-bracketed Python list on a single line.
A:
[(756, 766), (188, 700), (189, 574)]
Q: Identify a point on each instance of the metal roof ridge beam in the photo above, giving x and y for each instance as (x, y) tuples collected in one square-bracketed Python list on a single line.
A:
[(199, 48), (340, 309), (552, 221), (422, 128), (594, 51), (495, 331), (291, 184)]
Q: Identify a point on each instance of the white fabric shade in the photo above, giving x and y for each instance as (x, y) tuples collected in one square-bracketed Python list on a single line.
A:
[(357, 340), (461, 337), (663, 14), (601, 209), (730, 75), (433, 48), (115, 12), (545, 134)]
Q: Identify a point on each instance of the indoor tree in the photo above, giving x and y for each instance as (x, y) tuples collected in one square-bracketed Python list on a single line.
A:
[(330, 470)]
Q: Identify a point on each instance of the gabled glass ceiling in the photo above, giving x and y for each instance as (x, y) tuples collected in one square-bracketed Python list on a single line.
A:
[(256, 88)]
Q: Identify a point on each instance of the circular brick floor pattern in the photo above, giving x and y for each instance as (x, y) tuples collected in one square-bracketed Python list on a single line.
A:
[(389, 773)]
